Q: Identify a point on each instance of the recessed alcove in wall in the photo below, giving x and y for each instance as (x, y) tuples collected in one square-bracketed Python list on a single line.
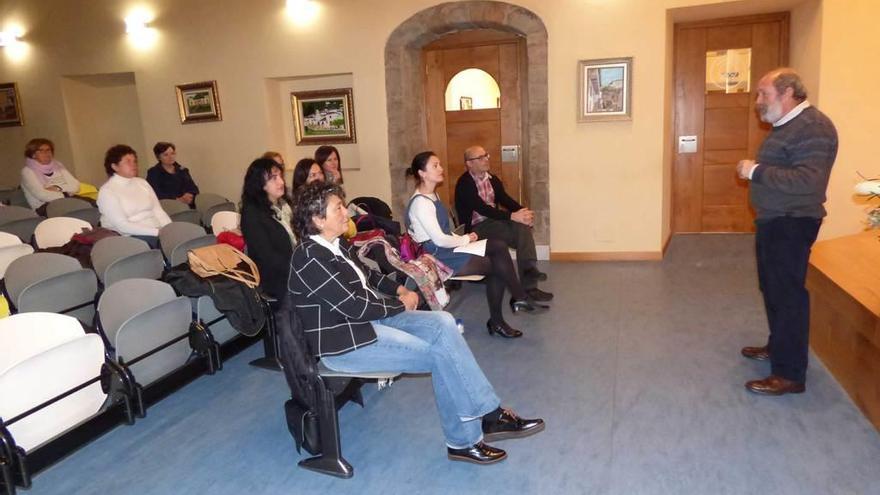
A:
[(279, 113), (102, 110)]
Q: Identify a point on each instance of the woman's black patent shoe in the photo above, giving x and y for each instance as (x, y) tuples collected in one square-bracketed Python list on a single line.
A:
[(525, 305), (502, 329)]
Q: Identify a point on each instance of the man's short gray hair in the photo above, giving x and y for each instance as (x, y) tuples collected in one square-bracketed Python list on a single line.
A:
[(788, 78)]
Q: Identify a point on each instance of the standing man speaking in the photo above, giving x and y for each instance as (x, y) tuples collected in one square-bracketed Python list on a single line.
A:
[(789, 180)]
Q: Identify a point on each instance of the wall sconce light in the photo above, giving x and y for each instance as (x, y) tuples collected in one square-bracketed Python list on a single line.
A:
[(136, 23), (137, 26), (302, 12), (10, 36)]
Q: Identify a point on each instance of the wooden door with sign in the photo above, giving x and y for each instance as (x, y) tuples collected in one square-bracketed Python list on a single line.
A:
[(717, 67), (455, 125)]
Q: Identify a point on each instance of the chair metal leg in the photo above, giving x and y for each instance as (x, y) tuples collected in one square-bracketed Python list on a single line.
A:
[(330, 461), (271, 349), (7, 461)]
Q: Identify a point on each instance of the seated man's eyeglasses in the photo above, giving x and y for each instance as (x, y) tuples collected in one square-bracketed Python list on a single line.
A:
[(486, 156)]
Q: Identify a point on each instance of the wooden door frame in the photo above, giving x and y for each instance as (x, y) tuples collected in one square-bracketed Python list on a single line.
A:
[(404, 91), (512, 113), (784, 18)]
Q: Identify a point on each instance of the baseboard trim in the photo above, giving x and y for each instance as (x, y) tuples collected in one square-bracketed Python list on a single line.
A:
[(608, 256)]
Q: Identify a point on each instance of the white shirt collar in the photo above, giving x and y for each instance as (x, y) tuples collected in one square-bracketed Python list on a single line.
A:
[(332, 246), (793, 113)]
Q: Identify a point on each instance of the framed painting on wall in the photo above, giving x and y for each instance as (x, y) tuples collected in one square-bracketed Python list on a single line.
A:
[(10, 106), (605, 89), (198, 102), (323, 117)]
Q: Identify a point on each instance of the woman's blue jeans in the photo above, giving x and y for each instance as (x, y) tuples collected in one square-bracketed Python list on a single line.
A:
[(429, 342)]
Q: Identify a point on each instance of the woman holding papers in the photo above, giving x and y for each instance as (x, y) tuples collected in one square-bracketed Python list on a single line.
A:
[(428, 223)]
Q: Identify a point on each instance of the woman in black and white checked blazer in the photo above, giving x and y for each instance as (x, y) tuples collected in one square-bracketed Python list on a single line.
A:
[(352, 327)]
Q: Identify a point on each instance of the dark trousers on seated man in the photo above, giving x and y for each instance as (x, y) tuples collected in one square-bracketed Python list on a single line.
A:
[(519, 238)]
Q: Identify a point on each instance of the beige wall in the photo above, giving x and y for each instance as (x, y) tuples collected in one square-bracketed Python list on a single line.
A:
[(91, 105), (609, 187)]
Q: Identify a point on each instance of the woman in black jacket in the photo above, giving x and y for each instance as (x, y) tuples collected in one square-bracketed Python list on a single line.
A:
[(265, 224)]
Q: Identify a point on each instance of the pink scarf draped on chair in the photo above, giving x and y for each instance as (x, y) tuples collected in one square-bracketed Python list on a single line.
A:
[(44, 172)]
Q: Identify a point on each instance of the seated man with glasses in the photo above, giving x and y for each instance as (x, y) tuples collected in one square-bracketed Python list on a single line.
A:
[(485, 208)]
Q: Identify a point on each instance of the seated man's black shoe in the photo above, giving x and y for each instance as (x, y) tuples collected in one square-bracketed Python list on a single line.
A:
[(479, 453), (535, 274), (536, 294), (508, 425)]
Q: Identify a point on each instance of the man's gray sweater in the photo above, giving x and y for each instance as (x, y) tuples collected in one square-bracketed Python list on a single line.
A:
[(794, 165)]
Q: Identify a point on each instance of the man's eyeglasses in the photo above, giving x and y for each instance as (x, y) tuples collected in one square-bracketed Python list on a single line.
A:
[(486, 156)]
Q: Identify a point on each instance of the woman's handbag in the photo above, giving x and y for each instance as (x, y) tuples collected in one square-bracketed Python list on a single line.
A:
[(223, 259), (409, 248)]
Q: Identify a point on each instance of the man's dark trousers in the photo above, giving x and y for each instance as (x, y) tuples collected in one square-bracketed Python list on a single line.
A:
[(783, 246), (517, 237)]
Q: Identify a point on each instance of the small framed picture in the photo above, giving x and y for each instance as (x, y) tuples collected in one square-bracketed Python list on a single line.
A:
[(198, 102), (323, 117), (466, 103), (605, 89), (10, 106)]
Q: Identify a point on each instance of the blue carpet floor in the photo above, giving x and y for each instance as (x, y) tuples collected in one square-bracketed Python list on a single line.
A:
[(636, 370)]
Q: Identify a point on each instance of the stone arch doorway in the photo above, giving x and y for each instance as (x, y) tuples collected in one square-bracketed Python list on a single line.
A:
[(405, 93)]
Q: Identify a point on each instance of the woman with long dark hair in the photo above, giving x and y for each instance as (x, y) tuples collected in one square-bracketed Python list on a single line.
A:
[(428, 223), (266, 224), (305, 172), (328, 158)]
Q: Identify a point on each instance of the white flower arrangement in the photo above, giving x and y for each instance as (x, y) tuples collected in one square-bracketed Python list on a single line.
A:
[(871, 188)]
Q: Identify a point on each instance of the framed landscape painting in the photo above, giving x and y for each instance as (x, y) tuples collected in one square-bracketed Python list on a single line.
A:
[(605, 89), (323, 117), (10, 106), (198, 102)]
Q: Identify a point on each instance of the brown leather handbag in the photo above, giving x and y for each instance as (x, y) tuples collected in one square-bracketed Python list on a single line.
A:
[(223, 259)]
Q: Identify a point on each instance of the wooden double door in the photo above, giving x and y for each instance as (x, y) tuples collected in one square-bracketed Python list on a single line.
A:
[(715, 127), (452, 131)]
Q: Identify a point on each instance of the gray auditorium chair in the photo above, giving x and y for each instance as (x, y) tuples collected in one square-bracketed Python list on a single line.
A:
[(57, 231), (19, 221), (119, 257), (14, 196), (177, 238), (207, 204), (51, 376), (207, 313), (149, 328), (52, 283), (8, 254), (73, 208), (7, 239), (180, 212)]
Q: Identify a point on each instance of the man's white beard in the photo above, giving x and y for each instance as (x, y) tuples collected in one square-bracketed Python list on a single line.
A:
[(771, 113)]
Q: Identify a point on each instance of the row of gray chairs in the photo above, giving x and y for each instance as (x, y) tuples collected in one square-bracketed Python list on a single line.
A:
[(22, 221), (206, 205)]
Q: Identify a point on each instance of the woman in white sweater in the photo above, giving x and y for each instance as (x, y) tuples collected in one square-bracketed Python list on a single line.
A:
[(127, 203), (43, 178)]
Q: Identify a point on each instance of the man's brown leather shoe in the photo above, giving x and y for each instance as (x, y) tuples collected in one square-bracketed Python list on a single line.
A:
[(775, 385), (756, 353)]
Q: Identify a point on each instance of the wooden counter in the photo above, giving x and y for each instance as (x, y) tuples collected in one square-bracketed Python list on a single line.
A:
[(844, 283)]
